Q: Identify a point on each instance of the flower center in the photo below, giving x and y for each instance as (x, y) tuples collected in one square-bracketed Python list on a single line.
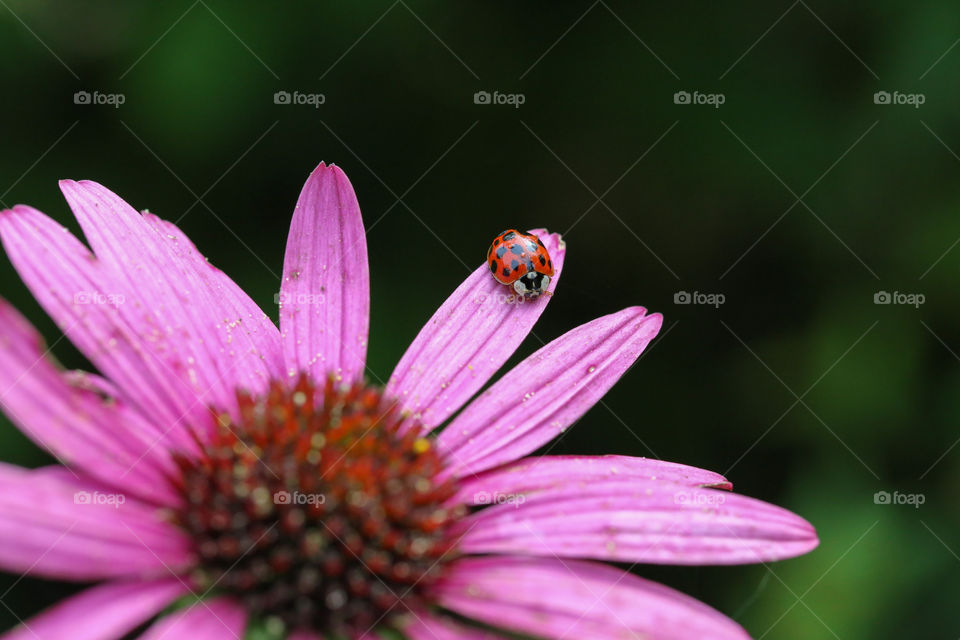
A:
[(324, 517)]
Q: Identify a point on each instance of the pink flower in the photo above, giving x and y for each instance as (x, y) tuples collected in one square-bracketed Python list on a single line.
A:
[(252, 467)]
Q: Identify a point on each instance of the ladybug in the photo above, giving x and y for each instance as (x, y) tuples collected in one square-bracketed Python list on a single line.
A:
[(521, 260)]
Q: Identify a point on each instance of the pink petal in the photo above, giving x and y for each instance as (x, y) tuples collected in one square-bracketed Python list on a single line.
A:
[(546, 393), (55, 525), (105, 612), (249, 330), (573, 599), (215, 619), (325, 294), (531, 475), (429, 626), (466, 341), (70, 416), (636, 520), (177, 304), (100, 313)]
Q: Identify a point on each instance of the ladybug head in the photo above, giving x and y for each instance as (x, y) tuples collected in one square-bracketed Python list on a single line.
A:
[(531, 285)]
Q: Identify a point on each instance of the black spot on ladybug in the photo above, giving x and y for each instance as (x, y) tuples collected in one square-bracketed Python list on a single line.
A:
[(496, 242), (506, 272), (549, 263), (509, 236), (501, 252), (540, 242), (493, 266), (543, 261), (517, 249)]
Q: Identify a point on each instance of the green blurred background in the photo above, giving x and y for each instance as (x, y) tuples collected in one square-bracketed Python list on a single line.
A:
[(797, 200)]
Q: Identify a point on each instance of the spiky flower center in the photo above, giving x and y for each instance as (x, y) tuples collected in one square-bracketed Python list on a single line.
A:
[(317, 510)]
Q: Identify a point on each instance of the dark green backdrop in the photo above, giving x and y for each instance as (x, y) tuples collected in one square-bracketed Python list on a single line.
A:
[(798, 199)]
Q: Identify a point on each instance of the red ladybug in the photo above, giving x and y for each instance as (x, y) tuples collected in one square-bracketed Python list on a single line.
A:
[(521, 260)]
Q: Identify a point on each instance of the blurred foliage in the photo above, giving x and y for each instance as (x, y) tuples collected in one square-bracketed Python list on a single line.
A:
[(799, 387)]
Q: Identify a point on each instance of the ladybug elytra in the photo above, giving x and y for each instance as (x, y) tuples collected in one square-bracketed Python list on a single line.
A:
[(521, 260)]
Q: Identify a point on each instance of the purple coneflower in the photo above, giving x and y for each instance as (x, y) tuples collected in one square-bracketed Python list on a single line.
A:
[(225, 472)]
